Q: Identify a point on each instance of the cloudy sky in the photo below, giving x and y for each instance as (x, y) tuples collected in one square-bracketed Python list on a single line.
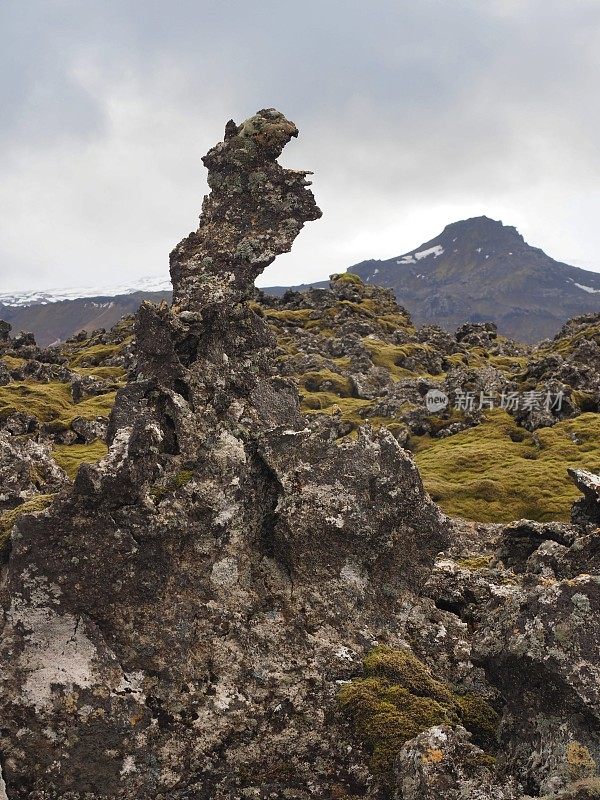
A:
[(412, 114)]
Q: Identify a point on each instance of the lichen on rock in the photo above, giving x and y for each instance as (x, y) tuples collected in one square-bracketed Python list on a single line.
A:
[(226, 562), (242, 600)]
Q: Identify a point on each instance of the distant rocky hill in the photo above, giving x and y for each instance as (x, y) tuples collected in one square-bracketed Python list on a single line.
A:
[(479, 269), (475, 270), (53, 321)]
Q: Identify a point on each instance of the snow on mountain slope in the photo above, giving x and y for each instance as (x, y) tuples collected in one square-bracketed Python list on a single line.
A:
[(33, 297)]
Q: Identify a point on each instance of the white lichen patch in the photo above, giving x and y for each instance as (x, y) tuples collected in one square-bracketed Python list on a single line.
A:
[(229, 451), (351, 575), (128, 766), (345, 653), (225, 572), (3, 795), (56, 651)]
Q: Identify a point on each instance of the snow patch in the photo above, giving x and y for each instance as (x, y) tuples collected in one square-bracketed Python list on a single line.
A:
[(412, 258), (435, 251), (35, 297), (588, 289)]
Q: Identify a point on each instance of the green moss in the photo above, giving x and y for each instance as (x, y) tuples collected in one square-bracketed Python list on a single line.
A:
[(509, 365), (326, 381), (171, 484), (94, 355), (456, 359), (347, 277), (12, 362), (399, 698), (8, 518), (396, 322), (568, 344), (474, 562), (45, 401), (183, 476), (329, 403), (478, 717), (298, 317), (389, 356), (403, 668), (70, 456), (498, 472), (585, 401), (386, 716), (52, 403)]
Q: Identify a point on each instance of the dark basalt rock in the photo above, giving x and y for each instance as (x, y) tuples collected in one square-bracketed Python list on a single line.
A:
[(480, 334), (191, 605), (588, 508), (178, 622), (5, 329)]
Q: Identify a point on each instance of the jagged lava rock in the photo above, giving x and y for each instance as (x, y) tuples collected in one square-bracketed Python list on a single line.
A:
[(588, 508), (177, 624)]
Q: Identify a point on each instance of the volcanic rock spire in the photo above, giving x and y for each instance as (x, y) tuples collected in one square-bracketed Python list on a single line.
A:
[(254, 212), (177, 624)]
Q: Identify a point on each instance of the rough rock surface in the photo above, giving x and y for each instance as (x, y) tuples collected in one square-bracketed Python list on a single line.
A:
[(186, 609), (181, 621), (588, 508), (442, 762)]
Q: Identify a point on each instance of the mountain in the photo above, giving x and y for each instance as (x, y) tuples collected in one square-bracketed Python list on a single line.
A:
[(28, 297), (55, 315), (478, 270)]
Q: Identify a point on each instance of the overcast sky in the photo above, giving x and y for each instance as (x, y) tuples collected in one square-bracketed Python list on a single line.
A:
[(412, 114)]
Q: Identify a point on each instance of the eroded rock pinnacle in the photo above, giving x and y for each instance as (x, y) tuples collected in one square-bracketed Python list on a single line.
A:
[(254, 212), (193, 602)]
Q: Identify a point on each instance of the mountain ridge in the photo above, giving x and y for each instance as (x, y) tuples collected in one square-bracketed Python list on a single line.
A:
[(480, 269), (475, 270)]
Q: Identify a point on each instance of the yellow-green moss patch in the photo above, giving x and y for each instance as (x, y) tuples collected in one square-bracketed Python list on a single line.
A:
[(474, 562), (498, 472), (389, 356), (326, 381), (8, 518), (94, 355), (12, 362), (171, 484), (71, 456), (52, 403), (399, 698), (347, 277)]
